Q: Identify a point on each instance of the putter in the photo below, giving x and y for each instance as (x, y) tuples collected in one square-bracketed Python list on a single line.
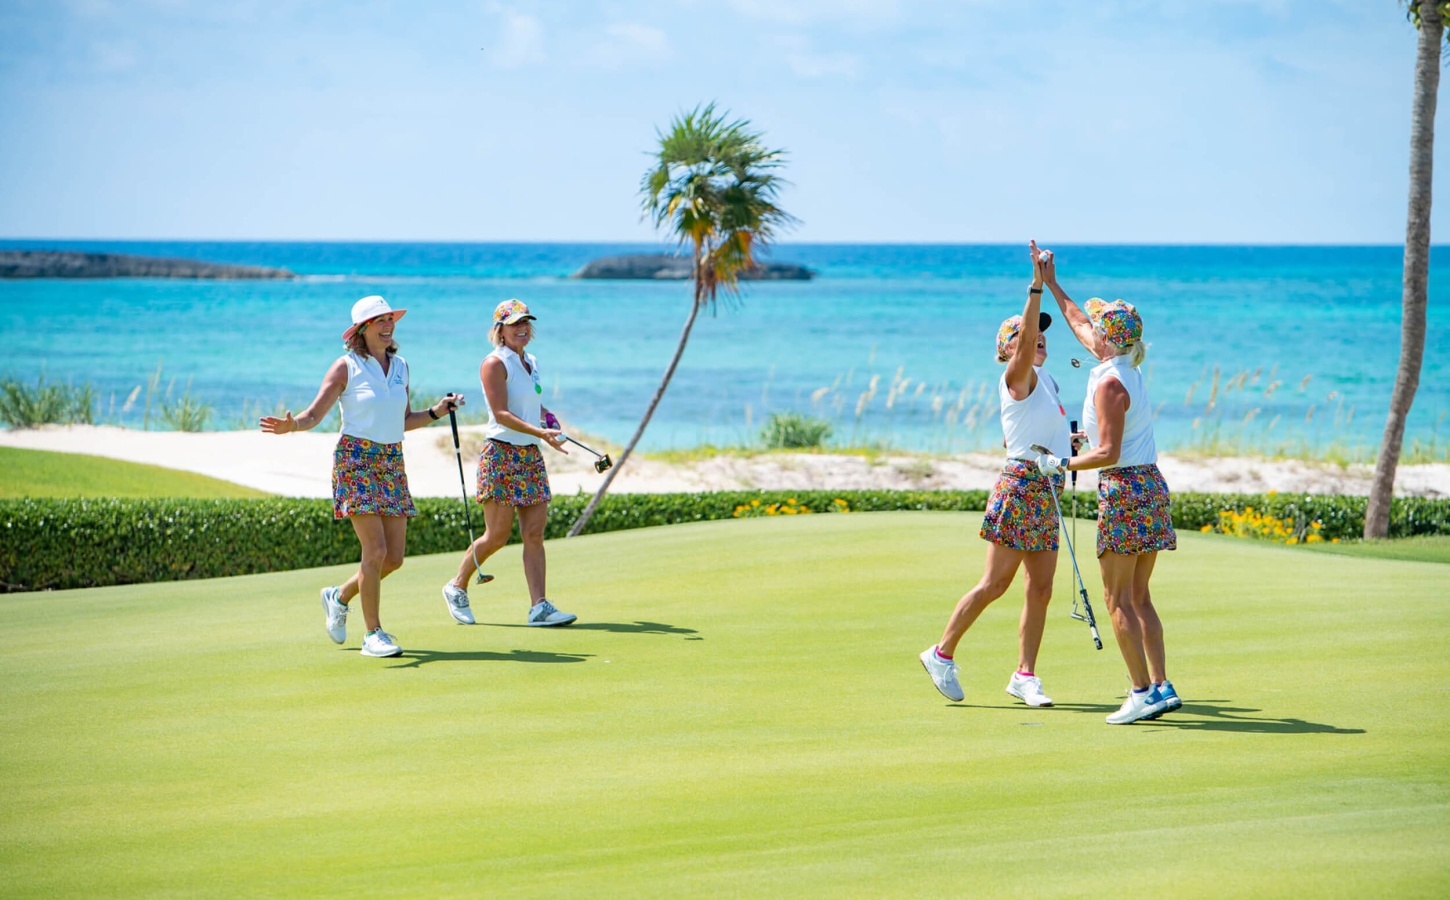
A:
[(602, 463), (467, 516), (1087, 606)]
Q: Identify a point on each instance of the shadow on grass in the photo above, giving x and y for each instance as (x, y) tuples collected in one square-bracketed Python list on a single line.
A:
[(1218, 717), (416, 658), (615, 627), (1213, 715)]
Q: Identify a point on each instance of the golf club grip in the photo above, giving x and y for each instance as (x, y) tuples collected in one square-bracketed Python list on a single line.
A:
[(1072, 427), (453, 423)]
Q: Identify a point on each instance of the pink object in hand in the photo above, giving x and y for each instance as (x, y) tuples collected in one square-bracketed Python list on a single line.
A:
[(552, 421)]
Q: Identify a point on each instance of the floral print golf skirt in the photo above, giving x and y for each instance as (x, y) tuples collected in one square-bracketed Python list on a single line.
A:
[(368, 478), (512, 474), (1021, 514), (1134, 511)]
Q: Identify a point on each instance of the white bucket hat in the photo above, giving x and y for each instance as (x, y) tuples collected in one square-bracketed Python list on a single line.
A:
[(367, 309)]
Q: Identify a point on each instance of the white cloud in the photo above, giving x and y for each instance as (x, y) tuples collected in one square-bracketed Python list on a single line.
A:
[(805, 62), (801, 12), (628, 43), (519, 41)]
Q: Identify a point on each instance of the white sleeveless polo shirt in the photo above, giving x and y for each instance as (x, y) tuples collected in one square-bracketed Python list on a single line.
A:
[(374, 404), (1037, 419), (524, 398), (1138, 447)]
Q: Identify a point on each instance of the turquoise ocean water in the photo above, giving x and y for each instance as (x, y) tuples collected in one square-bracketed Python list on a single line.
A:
[(1304, 340)]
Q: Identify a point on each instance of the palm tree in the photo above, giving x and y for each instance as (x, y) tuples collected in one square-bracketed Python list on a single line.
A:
[(713, 188), (1429, 18)]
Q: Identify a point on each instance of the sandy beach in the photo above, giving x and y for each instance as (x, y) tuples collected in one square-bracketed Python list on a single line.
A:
[(300, 465)]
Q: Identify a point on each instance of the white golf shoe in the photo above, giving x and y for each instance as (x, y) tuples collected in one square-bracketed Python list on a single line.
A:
[(1028, 689), (457, 604), (380, 643), (943, 674), (335, 614), (1139, 705), (544, 614)]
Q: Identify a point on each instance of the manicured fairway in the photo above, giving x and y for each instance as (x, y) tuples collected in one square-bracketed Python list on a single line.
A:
[(41, 473), (739, 713)]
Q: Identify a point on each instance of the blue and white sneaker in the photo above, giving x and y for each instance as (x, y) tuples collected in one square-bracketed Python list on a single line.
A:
[(335, 614), (1170, 697), (457, 602), (544, 614), (1140, 705)]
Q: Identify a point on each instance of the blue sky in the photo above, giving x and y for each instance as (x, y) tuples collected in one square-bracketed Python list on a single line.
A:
[(1257, 122)]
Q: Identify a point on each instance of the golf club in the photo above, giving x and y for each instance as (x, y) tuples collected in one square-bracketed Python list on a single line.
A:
[(1087, 606), (602, 462), (467, 516)]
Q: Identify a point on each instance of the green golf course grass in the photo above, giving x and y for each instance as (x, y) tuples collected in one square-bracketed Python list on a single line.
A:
[(739, 712), (41, 473), (1425, 548)]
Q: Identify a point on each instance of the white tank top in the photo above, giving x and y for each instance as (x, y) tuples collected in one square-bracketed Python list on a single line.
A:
[(1037, 419), (524, 398), (373, 404), (1138, 447)]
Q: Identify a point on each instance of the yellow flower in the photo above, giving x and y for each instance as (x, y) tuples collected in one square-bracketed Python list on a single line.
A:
[(1205, 529)]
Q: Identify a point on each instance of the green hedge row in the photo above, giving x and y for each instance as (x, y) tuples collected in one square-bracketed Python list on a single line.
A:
[(48, 543)]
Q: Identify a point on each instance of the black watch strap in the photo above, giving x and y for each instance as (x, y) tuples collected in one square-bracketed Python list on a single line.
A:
[(432, 415)]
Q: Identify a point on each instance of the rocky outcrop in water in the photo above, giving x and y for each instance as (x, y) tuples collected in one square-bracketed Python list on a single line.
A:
[(73, 264), (664, 267)]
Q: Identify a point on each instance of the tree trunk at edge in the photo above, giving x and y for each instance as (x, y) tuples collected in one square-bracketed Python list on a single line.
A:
[(1417, 269), (583, 519)]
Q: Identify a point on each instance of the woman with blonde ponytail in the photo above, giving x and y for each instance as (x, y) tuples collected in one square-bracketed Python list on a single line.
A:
[(1134, 515)]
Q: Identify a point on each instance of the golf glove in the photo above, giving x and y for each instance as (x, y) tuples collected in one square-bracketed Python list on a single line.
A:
[(1051, 465)]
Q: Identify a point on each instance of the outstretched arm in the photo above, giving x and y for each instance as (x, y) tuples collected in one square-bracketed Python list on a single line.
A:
[(1021, 380), (1082, 327), (333, 384)]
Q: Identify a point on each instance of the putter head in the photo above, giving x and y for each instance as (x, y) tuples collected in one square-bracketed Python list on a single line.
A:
[(1041, 449), (603, 464)]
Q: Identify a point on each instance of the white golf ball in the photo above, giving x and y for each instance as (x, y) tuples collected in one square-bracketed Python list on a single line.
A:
[(1042, 256)]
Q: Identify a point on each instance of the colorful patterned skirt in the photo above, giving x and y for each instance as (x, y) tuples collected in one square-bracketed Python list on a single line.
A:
[(1021, 514), (368, 478), (512, 474), (1134, 511)]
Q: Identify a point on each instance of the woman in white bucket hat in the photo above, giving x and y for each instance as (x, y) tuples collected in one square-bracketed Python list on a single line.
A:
[(369, 486)]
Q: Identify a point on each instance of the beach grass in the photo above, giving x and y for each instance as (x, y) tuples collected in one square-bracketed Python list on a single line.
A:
[(41, 473), (738, 713)]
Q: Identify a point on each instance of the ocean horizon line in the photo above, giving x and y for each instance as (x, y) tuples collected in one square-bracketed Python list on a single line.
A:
[(1189, 245)]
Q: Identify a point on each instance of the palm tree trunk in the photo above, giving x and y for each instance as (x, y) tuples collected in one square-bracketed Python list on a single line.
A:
[(1417, 269), (648, 413)]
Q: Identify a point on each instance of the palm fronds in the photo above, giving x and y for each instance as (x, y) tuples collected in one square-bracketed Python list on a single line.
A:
[(714, 188)]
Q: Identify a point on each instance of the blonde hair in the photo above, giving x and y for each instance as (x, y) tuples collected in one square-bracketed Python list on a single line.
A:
[(1136, 351), (495, 334)]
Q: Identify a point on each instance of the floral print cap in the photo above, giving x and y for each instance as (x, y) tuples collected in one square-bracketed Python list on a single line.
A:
[(1009, 329), (511, 312), (1118, 321)]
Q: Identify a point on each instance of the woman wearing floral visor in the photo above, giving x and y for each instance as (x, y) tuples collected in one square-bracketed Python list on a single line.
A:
[(1020, 523), (511, 475), (1134, 515)]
